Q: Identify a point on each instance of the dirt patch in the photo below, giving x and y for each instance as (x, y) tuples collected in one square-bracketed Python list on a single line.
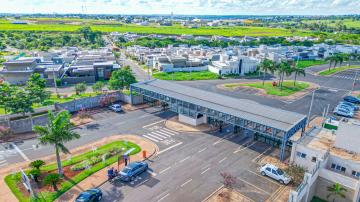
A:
[(262, 92), (174, 124), (228, 195), (129, 107), (77, 121), (274, 161)]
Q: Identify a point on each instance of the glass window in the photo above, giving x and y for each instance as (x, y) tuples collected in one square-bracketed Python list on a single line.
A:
[(274, 172), (313, 159), (333, 166), (268, 169)]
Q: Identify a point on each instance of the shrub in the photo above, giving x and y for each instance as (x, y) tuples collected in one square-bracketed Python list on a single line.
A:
[(35, 173), (4, 131), (52, 179), (80, 88), (296, 172), (81, 166), (37, 164)]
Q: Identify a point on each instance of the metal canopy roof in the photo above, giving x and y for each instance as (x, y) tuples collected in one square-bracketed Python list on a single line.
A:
[(245, 109)]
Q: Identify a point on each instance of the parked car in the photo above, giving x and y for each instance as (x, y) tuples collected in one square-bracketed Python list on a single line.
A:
[(352, 99), (132, 170), (346, 107), (344, 112), (116, 108), (90, 195), (275, 173), (349, 104)]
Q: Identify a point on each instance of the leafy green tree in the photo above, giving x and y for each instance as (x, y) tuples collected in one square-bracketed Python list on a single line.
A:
[(52, 179), (98, 86), (121, 79), (35, 173), (335, 191), (19, 101), (5, 92), (283, 69), (80, 88), (37, 164), (56, 133), (36, 87)]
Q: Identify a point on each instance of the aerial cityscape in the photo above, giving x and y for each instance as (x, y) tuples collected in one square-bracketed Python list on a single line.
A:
[(173, 101)]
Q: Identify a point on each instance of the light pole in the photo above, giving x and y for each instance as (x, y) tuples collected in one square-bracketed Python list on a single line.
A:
[(354, 83), (56, 90), (311, 104)]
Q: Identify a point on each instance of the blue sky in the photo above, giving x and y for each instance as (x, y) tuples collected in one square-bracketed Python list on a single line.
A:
[(218, 7)]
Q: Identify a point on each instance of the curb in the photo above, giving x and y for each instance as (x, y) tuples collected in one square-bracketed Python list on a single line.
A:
[(208, 197)]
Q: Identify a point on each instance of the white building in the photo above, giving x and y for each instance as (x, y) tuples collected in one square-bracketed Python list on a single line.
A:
[(234, 65), (329, 157)]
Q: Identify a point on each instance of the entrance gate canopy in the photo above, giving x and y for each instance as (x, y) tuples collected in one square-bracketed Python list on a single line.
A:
[(244, 113)]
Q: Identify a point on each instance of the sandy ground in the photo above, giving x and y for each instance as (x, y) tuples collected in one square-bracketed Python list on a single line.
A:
[(174, 124)]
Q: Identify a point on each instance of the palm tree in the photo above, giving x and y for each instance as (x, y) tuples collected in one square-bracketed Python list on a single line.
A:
[(340, 58), (332, 59), (336, 190), (284, 68), (298, 71), (57, 132), (266, 66)]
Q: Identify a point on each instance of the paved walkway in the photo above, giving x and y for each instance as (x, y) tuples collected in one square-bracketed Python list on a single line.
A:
[(94, 180)]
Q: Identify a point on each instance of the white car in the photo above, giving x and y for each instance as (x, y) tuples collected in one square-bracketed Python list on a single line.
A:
[(116, 108), (275, 173)]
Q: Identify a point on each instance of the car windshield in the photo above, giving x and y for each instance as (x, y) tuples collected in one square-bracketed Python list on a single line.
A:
[(126, 170), (83, 196), (279, 171)]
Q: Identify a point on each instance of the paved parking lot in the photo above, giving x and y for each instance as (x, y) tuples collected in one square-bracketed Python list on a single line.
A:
[(189, 169), (348, 74)]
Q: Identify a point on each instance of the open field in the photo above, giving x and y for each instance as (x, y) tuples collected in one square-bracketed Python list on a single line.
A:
[(349, 23), (111, 26), (336, 70), (287, 89), (186, 76)]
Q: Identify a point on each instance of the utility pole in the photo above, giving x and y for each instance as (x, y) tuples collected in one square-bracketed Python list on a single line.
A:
[(56, 89), (354, 83), (311, 104)]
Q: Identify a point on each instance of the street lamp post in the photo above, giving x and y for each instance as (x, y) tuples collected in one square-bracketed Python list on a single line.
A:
[(311, 104), (354, 83)]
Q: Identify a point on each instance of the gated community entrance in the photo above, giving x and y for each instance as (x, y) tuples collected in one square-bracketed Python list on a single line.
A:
[(195, 106)]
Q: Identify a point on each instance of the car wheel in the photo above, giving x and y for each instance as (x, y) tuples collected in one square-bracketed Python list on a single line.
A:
[(281, 182), (263, 173)]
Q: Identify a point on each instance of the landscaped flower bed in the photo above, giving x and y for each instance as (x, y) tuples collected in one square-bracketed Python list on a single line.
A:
[(75, 169)]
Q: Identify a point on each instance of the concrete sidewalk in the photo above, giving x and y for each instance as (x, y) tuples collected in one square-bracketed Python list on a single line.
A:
[(92, 181)]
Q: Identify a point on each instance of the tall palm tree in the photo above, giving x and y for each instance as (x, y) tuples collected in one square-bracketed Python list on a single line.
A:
[(284, 68), (57, 132), (297, 71), (340, 58), (266, 66), (336, 190), (332, 59)]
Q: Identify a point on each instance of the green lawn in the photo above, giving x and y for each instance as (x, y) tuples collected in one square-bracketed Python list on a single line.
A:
[(13, 180), (309, 63), (317, 199), (287, 89), (186, 76), (336, 70)]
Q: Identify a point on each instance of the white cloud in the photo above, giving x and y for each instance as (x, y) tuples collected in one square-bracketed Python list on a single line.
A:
[(217, 7)]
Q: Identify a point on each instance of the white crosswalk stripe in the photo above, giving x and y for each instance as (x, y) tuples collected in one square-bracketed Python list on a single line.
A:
[(155, 136), (162, 134), (157, 133), (171, 131), (150, 138)]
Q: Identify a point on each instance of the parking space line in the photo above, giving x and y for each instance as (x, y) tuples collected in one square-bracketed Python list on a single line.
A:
[(245, 147), (186, 182), (164, 170), (260, 155), (254, 186), (162, 151), (143, 182), (205, 171), (202, 150), (263, 177), (184, 159), (163, 197), (151, 173), (223, 159)]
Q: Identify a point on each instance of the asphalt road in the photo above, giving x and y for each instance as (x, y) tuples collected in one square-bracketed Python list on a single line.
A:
[(109, 123)]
